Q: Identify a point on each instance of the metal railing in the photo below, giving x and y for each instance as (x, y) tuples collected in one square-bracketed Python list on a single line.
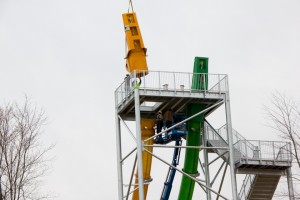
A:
[(257, 149), (236, 137), (212, 134), (246, 187), (265, 150), (171, 81)]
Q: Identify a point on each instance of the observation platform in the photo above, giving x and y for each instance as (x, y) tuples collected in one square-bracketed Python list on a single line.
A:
[(163, 90)]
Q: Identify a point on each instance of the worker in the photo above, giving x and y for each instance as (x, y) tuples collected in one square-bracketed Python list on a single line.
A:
[(169, 118), (159, 123), (127, 84)]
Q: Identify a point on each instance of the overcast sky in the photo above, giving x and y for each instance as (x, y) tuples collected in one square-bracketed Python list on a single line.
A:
[(67, 56)]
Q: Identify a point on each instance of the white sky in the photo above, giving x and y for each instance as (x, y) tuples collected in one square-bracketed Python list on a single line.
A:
[(67, 56)]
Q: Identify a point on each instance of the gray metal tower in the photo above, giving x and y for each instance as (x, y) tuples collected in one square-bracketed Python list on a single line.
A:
[(263, 162)]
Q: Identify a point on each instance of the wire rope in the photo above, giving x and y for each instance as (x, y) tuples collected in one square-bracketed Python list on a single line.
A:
[(130, 5)]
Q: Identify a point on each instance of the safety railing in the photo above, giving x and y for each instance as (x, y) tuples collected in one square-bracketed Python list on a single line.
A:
[(254, 149), (212, 134), (235, 136), (246, 187), (265, 150), (171, 81)]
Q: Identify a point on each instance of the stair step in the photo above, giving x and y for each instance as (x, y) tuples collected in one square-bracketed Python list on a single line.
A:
[(263, 187), (260, 197), (259, 187)]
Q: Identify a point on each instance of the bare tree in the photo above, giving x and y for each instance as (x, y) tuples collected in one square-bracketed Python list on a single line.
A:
[(23, 161), (284, 116)]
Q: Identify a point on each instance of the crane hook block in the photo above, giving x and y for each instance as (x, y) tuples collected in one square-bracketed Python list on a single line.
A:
[(136, 51)]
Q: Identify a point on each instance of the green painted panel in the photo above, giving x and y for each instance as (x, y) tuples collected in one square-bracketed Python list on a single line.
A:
[(200, 80)]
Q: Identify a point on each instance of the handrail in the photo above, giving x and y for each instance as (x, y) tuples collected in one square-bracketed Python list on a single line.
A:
[(265, 150), (176, 82), (246, 186), (218, 84), (236, 136), (257, 149), (288, 145), (216, 136), (214, 131)]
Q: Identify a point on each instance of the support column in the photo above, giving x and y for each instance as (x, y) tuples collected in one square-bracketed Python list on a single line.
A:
[(206, 167), (119, 157), (139, 143), (1, 198), (289, 177), (230, 144)]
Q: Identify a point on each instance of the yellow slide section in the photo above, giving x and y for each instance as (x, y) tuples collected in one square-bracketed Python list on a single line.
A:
[(147, 131), (136, 51)]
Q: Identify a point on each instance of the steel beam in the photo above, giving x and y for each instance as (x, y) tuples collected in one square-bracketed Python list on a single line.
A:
[(185, 147), (217, 174), (230, 143), (206, 165), (290, 183), (128, 129), (222, 181), (139, 143), (119, 157), (131, 177)]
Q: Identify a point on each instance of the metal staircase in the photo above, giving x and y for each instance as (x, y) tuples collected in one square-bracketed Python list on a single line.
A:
[(264, 162), (263, 187), (216, 140)]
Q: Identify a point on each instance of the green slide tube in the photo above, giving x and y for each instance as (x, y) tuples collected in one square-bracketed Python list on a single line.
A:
[(199, 82)]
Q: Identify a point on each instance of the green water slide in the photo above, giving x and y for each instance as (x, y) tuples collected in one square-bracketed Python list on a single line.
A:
[(199, 82)]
